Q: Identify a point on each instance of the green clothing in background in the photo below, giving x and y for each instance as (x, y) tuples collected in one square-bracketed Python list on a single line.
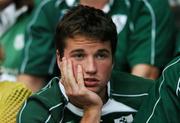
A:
[(177, 49), (145, 30), (13, 42), (51, 105), (163, 103)]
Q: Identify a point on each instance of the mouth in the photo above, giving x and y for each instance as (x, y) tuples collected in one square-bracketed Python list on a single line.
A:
[(91, 82)]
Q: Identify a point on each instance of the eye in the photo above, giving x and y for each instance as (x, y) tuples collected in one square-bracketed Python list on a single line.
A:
[(78, 56), (101, 56)]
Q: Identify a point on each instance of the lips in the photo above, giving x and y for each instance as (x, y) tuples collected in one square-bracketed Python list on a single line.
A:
[(91, 82)]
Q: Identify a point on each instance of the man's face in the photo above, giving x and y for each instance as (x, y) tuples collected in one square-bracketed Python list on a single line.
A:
[(95, 58)]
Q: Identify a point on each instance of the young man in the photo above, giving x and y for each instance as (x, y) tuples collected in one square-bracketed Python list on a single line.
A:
[(144, 44), (86, 41)]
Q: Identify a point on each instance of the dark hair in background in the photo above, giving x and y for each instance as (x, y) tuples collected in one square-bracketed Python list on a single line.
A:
[(20, 3), (88, 22)]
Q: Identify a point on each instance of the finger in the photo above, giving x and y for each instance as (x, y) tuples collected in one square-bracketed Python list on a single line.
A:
[(80, 79), (71, 78), (67, 78), (70, 73), (63, 69)]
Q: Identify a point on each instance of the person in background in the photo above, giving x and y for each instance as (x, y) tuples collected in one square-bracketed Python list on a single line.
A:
[(14, 18), (12, 96), (145, 43), (86, 40), (11, 10)]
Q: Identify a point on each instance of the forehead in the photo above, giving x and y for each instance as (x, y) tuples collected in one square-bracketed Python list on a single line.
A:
[(80, 42)]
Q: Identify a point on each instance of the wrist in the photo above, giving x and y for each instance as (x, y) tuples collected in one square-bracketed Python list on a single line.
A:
[(94, 109), (91, 115), (94, 106)]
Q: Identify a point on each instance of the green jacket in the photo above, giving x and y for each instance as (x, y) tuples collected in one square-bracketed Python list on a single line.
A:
[(50, 105)]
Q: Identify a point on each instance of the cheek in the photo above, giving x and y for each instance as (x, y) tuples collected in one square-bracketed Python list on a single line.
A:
[(105, 69)]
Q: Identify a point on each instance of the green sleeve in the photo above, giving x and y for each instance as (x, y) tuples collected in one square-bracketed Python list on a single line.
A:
[(38, 109), (151, 38), (32, 112), (46, 105), (162, 104), (39, 53)]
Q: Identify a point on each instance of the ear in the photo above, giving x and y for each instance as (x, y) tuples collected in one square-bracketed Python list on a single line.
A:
[(58, 58)]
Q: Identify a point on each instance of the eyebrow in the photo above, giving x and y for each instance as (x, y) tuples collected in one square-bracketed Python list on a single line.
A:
[(104, 50), (77, 50), (81, 50)]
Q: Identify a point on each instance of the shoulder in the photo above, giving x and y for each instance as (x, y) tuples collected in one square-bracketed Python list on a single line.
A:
[(129, 89), (43, 104), (50, 94), (171, 72), (171, 75), (174, 65)]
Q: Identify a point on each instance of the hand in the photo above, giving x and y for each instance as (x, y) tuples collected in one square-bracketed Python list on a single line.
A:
[(146, 71), (75, 89)]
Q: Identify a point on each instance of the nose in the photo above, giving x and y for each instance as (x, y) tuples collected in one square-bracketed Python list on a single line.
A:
[(90, 66)]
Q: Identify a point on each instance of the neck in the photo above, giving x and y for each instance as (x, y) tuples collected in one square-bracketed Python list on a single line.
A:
[(93, 3)]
